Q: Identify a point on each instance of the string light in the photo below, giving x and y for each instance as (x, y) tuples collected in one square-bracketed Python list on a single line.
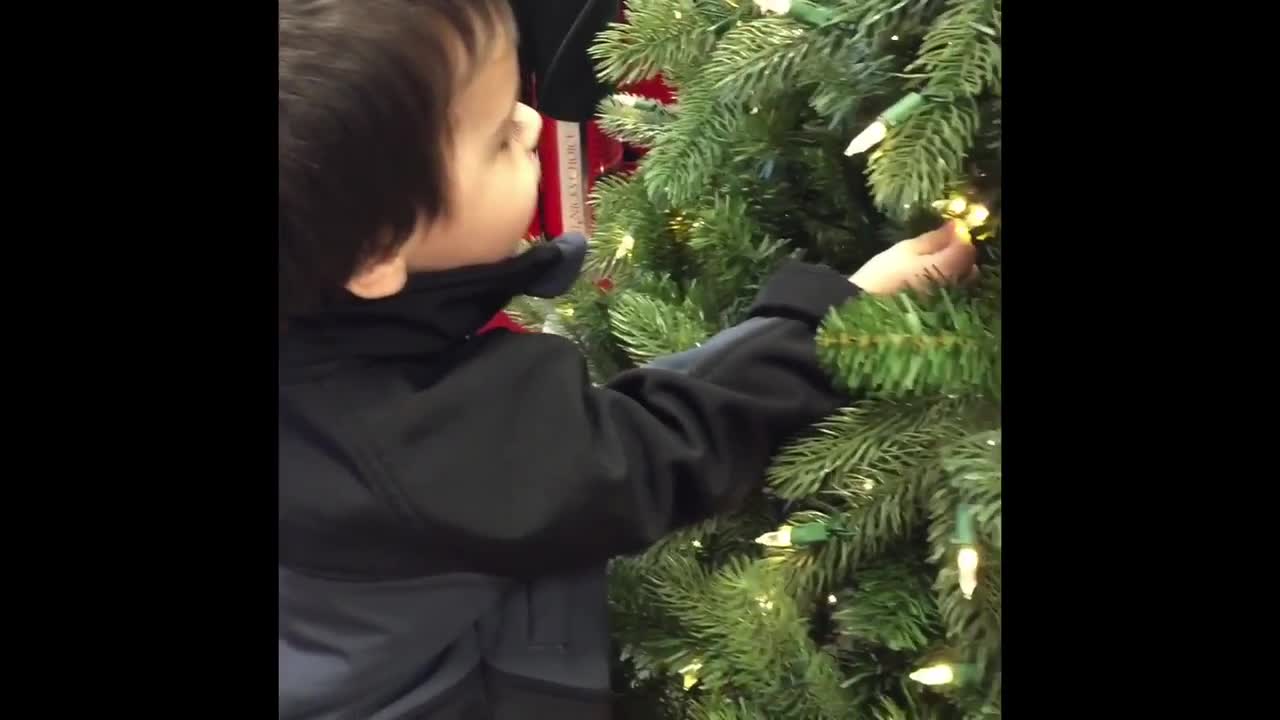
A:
[(696, 543), (944, 674), (799, 535), (967, 556), (635, 101), (831, 599), (690, 673), (802, 10), (967, 561), (625, 246), (966, 214), (893, 117), (934, 675)]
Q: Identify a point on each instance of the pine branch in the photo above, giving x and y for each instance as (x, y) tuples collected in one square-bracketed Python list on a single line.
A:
[(734, 255), (649, 328), (625, 218), (920, 158), (640, 125), (765, 57), (669, 37), (756, 644), (582, 315), (891, 607), (909, 346), (754, 58), (896, 509), (961, 53), (855, 437), (973, 625), (973, 468)]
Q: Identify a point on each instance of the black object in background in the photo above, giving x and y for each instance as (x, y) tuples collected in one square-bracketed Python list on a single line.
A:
[(554, 38)]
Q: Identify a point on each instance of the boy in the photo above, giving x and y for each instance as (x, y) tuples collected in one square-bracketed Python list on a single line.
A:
[(447, 502)]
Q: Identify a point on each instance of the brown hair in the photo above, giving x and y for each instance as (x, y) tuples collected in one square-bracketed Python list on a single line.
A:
[(364, 96)]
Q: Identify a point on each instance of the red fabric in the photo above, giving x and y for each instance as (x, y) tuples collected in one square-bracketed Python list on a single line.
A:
[(654, 88), (504, 322)]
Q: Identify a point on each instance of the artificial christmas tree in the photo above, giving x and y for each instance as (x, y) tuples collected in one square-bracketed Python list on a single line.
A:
[(864, 581)]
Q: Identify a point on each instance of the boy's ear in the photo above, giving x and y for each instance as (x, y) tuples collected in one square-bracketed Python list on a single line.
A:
[(380, 278)]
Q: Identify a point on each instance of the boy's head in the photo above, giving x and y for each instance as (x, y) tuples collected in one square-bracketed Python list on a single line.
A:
[(402, 145)]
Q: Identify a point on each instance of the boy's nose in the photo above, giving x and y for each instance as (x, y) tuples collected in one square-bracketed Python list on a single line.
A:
[(530, 123)]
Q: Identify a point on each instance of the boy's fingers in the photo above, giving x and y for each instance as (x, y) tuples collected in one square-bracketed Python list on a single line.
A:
[(955, 260), (934, 240)]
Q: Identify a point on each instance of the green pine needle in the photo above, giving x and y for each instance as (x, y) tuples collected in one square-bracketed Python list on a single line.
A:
[(908, 346)]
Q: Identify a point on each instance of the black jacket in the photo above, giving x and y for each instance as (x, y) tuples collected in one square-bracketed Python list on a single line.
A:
[(448, 501)]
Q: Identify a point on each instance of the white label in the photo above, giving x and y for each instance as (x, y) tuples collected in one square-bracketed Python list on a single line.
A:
[(573, 178)]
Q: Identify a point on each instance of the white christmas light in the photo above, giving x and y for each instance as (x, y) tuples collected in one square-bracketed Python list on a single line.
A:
[(876, 131), (625, 246), (780, 7), (778, 538), (978, 214), (690, 673), (868, 138), (967, 563), (934, 675), (831, 599)]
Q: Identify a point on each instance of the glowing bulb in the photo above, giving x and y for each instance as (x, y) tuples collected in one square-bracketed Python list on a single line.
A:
[(690, 673), (978, 214), (831, 599), (957, 205), (934, 675), (967, 562), (868, 138), (780, 7), (696, 543), (778, 538), (625, 247), (895, 37), (678, 14), (764, 602)]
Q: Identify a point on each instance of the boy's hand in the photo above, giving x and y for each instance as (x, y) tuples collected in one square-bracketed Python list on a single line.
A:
[(939, 254)]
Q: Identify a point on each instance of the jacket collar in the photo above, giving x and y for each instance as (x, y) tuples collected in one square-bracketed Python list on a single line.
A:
[(435, 310)]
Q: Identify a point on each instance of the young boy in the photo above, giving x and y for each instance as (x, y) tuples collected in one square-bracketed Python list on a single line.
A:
[(447, 501)]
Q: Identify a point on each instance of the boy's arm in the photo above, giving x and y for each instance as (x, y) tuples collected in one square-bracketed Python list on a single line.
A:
[(569, 474)]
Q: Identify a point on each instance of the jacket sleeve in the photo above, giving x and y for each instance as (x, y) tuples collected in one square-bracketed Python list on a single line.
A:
[(571, 474)]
